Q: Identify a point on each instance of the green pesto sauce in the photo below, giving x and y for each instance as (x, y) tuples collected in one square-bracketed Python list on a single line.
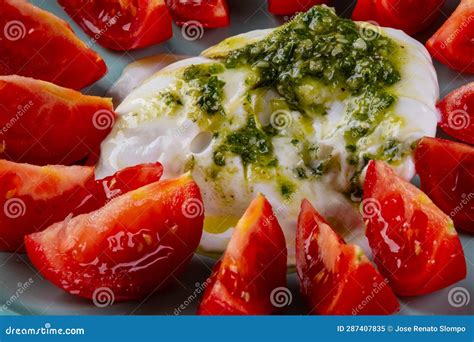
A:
[(171, 99), (287, 188), (251, 143), (320, 45), (210, 87)]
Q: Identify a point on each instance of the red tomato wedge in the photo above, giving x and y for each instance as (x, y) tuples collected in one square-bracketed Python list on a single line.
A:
[(131, 247), (37, 44), (457, 113), (446, 170), (34, 197), (252, 273), (205, 13), (285, 7), (414, 243), (42, 123), (411, 16), (453, 43), (336, 278), (121, 25)]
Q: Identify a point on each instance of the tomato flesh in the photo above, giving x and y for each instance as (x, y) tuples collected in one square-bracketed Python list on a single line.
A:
[(40, 45), (34, 197), (336, 278), (411, 16), (448, 181), (132, 246), (457, 113), (46, 124), (208, 13), (414, 243), (121, 25), (453, 43), (253, 266), (285, 7)]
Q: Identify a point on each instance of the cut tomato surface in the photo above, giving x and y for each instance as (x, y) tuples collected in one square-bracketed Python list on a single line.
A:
[(207, 13), (414, 243), (411, 16), (453, 43), (37, 44), (121, 25), (457, 113), (285, 7), (47, 124), (132, 246), (34, 197), (446, 170), (252, 272), (337, 278)]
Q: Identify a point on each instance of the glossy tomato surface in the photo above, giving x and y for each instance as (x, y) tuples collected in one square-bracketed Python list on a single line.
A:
[(446, 171), (336, 278), (208, 13), (411, 16), (121, 25), (34, 197), (452, 44), (414, 244), (132, 246), (253, 269), (457, 112), (46, 124), (285, 7), (40, 45)]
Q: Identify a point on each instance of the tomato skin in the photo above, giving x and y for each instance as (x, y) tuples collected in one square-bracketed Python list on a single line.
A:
[(457, 113), (122, 25), (336, 278), (133, 245), (43, 46), (413, 242), (285, 7), (46, 124), (452, 43), (449, 180), (34, 197), (411, 16), (209, 13), (254, 264)]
